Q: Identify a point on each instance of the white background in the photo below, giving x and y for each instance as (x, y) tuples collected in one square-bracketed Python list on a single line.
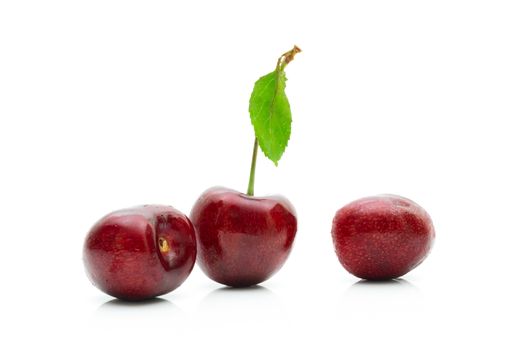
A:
[(110, 104)]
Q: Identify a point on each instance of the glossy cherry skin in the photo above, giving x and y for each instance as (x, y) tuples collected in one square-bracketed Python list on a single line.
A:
[(382, 237), (242, 240), (141, 252)]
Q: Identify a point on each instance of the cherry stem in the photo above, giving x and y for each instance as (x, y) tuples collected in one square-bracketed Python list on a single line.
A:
[(287, 57), (251, 181), (282, 62)]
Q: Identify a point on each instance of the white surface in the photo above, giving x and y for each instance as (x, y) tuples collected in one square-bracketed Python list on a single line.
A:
[(109, 104)]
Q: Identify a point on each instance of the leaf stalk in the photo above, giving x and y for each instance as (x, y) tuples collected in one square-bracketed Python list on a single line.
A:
[(282, 62)]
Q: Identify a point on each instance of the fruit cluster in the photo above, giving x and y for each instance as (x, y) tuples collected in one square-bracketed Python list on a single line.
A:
[(241, 240)]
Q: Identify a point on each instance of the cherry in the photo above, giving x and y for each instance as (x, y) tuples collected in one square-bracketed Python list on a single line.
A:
[(382, 237), (141, 252), (242, 240)]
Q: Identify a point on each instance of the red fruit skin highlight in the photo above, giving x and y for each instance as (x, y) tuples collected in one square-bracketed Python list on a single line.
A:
[(141, 252), (242, 240), (382, 237)]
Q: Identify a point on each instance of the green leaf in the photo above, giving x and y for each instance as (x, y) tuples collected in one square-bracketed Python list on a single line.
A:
[(271, 115)]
